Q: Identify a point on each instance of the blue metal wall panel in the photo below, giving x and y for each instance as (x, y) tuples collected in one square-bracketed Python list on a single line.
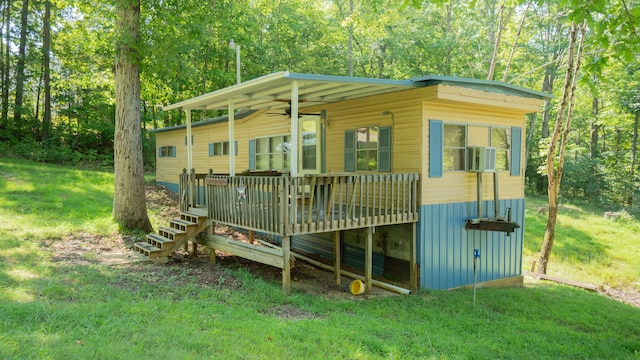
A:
[(445, 248), (170, 186)]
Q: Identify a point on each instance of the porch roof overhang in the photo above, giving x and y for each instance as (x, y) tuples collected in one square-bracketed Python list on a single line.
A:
[(273, 91)]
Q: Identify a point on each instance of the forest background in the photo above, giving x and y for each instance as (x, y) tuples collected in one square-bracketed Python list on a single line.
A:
[(57, 92)]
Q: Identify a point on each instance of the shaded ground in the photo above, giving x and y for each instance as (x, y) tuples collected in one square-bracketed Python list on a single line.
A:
[(85, 249)]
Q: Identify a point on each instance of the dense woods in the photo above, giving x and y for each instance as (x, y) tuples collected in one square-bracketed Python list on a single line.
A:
[(57, 68)]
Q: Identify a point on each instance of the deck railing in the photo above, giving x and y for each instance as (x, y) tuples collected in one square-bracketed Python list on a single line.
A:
[(192, 190), (309, 204)]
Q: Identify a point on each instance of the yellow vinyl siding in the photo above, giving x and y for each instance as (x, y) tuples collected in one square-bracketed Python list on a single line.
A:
[(407, 127), (462, 186), (168, 168)]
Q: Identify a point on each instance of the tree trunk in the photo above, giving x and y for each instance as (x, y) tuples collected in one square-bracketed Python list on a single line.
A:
[(634, 144), (7, 60), (595, 128), (17, 111), (46, 50), (555, 156), (129, 207)]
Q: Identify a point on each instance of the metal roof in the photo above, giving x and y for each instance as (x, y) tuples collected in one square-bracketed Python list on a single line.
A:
[(274, 92), (223, 118), (483, 85)]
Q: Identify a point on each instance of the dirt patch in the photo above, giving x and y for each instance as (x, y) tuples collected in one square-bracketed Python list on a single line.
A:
[(290, 312)]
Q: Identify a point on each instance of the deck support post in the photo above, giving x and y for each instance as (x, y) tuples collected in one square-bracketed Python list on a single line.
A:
[(337, 257), (413, 270), (211, 230), (368, 260), (194, 248), (286, 265)]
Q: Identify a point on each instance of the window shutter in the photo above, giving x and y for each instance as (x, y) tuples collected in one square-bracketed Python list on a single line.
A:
[(173, 151), (235, 148), (350, 150), (160, 151), (185, 141), (385, 135), (516, 150), (252, 154), (436, 129), (211, 149)]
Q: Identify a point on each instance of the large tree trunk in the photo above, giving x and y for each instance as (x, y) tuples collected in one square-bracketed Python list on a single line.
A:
[(17, 111), (555, 156), (46, 49), (7, 59), (595, 128), (129, 207)]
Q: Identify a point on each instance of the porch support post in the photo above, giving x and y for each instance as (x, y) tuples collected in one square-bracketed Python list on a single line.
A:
[(211, 230), (286, 266), (413, 274), (337, 257), (368, 260), (294, 128), (191, 191), (232, 161)]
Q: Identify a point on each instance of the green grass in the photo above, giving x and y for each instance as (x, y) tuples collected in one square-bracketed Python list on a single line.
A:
[(587, 247), (58, 310)]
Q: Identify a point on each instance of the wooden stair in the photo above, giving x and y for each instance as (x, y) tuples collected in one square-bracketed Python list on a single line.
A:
[(168, 239)]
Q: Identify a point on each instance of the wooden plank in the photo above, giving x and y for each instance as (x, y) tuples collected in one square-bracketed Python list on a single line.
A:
[(558, 280), (368, 261), (256, 253), (337, 257), (286, 268)]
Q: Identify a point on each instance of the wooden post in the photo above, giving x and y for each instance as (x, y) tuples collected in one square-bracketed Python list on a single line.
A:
[(413, 271), (368, 260), (251, 236), (211, 230), (286, 266), (194, 251), (337, 257)]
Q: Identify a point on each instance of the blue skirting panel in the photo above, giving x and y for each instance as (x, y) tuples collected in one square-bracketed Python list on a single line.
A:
[(445, 248), (170, 186)]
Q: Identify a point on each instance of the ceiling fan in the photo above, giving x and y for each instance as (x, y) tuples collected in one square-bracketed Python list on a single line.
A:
[(287, 111)]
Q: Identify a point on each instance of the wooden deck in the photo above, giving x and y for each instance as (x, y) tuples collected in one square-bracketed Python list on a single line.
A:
[(285, 206)]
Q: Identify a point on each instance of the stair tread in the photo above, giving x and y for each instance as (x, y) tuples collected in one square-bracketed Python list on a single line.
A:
[(183, 222), (171, 230), (191, 214), (147, 247), (159, 238)]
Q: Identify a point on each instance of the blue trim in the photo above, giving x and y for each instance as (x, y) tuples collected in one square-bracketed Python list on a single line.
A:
[(252, 154), (385, 135), (350, 150), (436, 133), (484, 85), (516, 150), (170, 186), (445, 248), (220, 119)]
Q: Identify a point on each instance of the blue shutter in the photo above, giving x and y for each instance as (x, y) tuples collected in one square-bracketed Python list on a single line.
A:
[(436, 130), (350, 150), (516, 150), (252, 154), (235, 148), (211, 149), (173, 151), (385, 135), (160, 151), (185, 141)]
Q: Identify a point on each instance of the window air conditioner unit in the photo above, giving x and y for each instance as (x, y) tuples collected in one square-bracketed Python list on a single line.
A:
[(481, 159)]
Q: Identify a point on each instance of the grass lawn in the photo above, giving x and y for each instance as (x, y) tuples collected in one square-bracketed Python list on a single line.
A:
[(52, 309)]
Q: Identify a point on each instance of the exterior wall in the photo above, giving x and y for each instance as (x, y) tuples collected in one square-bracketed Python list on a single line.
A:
[(406, 107), (251, 127), (454, 187), (445, 248)]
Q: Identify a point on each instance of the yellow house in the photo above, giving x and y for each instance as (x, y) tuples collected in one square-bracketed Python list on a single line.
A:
[(432, 169)]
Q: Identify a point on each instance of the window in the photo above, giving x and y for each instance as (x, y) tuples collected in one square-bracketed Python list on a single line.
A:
[(455, 147), (167, 151), (501, 140), (221, 148), (270, 153), (367, 148)]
